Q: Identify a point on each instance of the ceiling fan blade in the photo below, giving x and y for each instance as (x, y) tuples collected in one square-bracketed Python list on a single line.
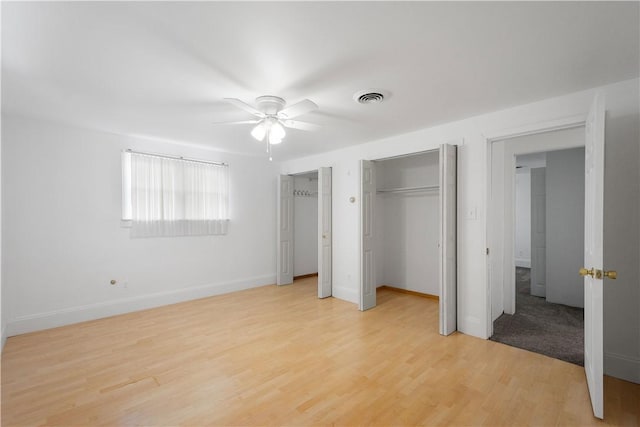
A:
[(298, 109), (241, 122), (295, 124), (244, 106)]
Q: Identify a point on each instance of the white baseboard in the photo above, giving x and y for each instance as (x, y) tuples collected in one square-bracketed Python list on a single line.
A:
[(345, 294), (623, 367), (521, 262), (67, 316)]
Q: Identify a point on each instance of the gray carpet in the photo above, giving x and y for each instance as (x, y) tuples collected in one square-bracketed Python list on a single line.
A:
[(554, 330)]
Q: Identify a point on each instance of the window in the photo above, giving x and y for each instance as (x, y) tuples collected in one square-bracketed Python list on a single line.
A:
[(165, 196)]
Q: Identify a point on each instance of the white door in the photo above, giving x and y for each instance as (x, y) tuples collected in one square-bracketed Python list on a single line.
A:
[(367, 267), (538, 232), (284, 254), (324, 232), (448, 217), (593, 234)]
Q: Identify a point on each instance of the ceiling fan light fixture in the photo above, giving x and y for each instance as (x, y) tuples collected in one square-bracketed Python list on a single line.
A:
[(277, 130), (273, 140), (259, 131), (273, 115)]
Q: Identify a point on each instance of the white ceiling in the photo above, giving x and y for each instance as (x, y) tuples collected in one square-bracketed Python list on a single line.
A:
[(161, 69)]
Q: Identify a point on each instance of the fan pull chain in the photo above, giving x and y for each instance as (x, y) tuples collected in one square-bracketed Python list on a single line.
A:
[(268, 135)]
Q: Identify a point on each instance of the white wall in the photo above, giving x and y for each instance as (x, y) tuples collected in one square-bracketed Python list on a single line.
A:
[(622, 322), (407, 224), (305, 226), (523, 218), (565, 226), (63, 240), (621, 248)]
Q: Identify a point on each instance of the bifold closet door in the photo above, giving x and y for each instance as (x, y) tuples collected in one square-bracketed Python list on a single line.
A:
[(448, 219), (324, 232), (367, 267), (284, 254)]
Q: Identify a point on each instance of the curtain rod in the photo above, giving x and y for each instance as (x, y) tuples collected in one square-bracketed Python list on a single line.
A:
[(176, 158)]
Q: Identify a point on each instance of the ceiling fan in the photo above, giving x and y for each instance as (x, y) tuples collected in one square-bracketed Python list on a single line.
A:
[(273, 116)]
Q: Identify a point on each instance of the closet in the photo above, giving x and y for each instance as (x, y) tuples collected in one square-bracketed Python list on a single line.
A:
[(408, 228), (407, 223), (305, 224), (304, 233)]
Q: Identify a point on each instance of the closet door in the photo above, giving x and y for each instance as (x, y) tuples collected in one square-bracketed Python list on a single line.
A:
[(367, 267), (284, 255), (448, 216), (324, 232)]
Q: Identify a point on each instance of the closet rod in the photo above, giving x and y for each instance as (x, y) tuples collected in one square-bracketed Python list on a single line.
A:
[(409, 189), (164, 156)]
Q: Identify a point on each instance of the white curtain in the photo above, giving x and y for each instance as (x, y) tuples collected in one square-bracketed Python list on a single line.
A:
[(173, 197)]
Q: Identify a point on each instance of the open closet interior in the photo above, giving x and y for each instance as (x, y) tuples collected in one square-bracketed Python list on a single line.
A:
[(305, 224), (304, 228), (408, 228), (407, 223)]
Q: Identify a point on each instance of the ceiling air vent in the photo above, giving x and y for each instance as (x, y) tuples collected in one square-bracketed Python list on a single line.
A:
[(370, 96)]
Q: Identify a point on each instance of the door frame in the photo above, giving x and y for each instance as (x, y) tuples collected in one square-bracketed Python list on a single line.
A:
[(508, 163)]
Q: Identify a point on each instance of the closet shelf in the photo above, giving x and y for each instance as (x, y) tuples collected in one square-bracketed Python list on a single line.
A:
[(409, 189)]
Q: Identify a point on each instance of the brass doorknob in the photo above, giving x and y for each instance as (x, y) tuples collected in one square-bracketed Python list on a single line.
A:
[(584, 272), (611, 274)]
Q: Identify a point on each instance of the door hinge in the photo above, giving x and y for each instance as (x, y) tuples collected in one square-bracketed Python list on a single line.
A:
[(487, 251)]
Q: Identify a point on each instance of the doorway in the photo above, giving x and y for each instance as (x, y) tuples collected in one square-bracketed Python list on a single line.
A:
[(408, 228), (548, 316), (304, 234), (499, 227)]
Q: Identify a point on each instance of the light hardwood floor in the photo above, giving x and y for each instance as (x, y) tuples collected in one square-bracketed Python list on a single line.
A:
[(278, 355)]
